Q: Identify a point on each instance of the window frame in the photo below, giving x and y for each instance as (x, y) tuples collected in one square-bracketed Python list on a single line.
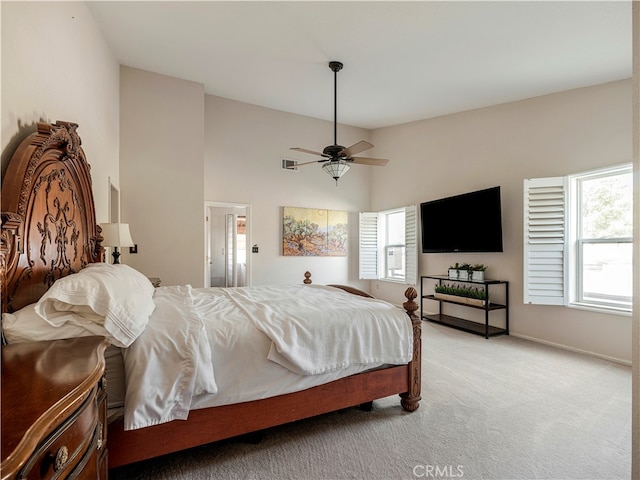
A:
[(576, 294), (374, 245), (384, 245)]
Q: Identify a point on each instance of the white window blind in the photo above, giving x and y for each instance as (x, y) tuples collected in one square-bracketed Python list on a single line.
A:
[(368, 246), (411, 244), (545, 250)]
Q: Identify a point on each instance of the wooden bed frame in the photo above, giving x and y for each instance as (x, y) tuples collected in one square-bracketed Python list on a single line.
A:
[(49, 231)]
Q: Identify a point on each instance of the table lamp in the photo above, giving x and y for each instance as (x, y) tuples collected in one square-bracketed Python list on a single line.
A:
[(116, 235)]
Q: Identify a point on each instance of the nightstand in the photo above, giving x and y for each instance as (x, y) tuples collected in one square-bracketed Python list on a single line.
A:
[(54, 409)]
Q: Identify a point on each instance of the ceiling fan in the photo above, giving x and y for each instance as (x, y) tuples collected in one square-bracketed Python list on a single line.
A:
[(336, 158)]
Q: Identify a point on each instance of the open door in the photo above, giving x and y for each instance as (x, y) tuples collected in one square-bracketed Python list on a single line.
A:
[(227, 256)]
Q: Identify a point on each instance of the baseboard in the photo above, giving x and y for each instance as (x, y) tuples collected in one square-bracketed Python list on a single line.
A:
[(572, 349)]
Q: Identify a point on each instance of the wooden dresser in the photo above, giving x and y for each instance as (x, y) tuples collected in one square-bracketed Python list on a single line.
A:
[(54, 409)]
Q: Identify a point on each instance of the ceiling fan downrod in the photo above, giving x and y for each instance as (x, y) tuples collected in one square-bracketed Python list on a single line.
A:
[(335, 67)]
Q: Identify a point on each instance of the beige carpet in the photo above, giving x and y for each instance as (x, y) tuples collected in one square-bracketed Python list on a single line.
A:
[(503, 408)]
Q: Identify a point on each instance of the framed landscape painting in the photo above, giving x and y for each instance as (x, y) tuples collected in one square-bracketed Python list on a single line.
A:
[(314, 232)]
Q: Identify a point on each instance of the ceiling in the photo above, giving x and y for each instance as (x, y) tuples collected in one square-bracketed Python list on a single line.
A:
[(403, 61)]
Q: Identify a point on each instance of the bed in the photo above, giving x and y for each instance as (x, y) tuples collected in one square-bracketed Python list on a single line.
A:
[(50, 238)]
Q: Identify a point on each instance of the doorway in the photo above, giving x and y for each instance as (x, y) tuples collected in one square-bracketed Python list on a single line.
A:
[(227, 240)]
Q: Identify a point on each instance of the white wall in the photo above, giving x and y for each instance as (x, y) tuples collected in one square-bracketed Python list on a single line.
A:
[(552, 135), (56, 66), (161, 164), (243, 149), (635, 425)]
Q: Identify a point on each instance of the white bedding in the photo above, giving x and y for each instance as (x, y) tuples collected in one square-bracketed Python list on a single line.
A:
[(317, 329), (220, 347)]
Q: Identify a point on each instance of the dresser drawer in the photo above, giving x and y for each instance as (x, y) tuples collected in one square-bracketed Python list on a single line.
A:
[(54, 424), (72, 444)]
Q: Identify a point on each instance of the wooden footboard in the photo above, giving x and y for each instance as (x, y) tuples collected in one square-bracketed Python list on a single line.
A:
[(217, 423)]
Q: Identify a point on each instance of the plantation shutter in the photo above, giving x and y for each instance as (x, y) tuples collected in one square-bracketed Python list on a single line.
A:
[(368, 246), (411, 244), (545, 246)]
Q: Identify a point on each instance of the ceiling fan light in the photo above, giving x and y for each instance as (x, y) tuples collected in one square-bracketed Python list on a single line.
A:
[(336, 169)]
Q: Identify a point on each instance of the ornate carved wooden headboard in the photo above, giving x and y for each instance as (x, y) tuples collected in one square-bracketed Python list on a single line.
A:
[(49, 228)]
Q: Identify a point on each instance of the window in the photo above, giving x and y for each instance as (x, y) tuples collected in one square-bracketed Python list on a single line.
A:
[(603, 237), (388, 245), (578, 239)]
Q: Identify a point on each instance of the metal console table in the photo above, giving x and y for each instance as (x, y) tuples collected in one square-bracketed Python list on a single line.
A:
[(460, 323)]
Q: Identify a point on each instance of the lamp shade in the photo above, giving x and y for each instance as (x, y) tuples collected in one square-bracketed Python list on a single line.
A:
[(116, 235), (336, 168)]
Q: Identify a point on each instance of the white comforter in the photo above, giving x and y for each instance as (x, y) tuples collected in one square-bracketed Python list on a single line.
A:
[(208, 347)]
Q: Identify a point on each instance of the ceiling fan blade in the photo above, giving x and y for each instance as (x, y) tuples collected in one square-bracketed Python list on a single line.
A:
[(309, 163), (356, 148), (376, 162), (305, 150)]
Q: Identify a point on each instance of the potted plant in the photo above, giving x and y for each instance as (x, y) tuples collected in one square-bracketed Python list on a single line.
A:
[(461, 294), (453, 271), (464, 272), (477, 272)]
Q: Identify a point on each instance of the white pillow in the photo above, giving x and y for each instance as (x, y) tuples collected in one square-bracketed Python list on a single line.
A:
[(115, 297), (26, 325)]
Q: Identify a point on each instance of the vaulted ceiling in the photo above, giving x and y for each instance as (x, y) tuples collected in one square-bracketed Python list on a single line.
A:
[(403, 61)]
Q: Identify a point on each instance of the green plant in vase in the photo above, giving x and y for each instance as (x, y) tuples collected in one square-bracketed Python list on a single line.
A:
[(453, 271), (454, 290), (464, 271), (477, 272)]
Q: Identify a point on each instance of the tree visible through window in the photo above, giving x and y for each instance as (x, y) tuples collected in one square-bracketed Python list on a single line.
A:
[(604, 240)]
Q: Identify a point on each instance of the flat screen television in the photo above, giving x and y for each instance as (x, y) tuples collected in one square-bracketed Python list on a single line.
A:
[(471, 222)]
